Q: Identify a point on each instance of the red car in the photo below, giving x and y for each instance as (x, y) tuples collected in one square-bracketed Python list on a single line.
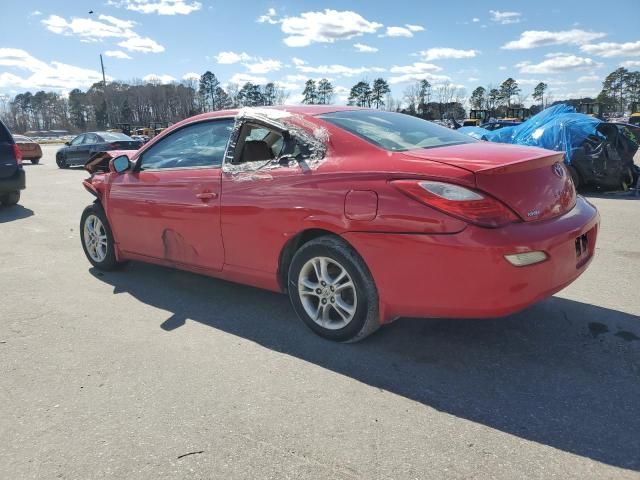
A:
[(362, 216)]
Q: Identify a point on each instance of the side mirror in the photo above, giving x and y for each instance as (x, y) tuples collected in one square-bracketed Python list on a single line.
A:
[(67, 143), (120, 164)]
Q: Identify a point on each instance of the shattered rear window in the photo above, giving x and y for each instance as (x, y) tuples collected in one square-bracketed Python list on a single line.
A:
[(395, 131)]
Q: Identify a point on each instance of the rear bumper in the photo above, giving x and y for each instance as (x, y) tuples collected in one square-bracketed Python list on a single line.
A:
[(14, 183), (465, 275)]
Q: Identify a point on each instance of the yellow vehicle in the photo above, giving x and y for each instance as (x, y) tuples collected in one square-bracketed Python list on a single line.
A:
[(634, 118), (517, 114), (593, 109), (476, 118)]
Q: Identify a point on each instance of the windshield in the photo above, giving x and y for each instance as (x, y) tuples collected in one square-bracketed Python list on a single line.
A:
[(395, 131)]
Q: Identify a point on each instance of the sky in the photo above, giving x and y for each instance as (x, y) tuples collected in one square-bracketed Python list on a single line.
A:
[(570, 45)]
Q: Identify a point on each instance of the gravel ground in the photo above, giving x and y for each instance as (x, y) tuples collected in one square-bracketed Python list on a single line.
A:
[(149, 373)]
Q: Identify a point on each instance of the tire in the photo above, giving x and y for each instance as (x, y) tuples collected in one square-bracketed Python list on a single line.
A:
[(61, 162), (99, 246), (626, 180), (35, 161), (575, 176), (10, 199), (351, 311)]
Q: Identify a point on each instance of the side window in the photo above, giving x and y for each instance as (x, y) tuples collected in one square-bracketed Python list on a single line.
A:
[(90, 139), (78, 140), (199, 145), (257, 143)]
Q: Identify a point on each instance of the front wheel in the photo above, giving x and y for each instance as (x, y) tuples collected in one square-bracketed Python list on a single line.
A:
[(332, 291), (61, 162), (97, 240), (35, 161)]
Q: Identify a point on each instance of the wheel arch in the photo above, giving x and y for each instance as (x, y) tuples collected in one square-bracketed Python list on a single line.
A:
[(294, 244)]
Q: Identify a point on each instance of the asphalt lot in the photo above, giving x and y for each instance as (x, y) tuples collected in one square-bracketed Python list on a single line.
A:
[(153, 373)]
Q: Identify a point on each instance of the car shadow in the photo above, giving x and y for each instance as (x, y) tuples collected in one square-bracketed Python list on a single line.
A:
[(14, 212), (628, 195), (563, 373)]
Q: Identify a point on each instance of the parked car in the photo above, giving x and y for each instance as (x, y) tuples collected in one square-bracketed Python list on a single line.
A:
[(30, 148), (498, 124), (82, 147), (12, 177), (362, 216), (143, 138)]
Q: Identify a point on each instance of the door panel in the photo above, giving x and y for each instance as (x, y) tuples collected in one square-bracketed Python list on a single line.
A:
[(169, 214)]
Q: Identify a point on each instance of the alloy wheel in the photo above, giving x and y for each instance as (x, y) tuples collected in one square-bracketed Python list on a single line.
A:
[(327, 293), (95, 238)]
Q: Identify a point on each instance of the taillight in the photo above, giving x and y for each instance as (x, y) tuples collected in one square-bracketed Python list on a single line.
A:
[(457, 201), (17, 153)]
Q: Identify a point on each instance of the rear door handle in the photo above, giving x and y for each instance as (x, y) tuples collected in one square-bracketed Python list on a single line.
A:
[(205, 196)]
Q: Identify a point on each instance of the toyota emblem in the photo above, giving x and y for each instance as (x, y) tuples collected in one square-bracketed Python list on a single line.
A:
[(558, 170)]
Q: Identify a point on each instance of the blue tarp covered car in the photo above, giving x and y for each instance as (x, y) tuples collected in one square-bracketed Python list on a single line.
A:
[(597, 153)]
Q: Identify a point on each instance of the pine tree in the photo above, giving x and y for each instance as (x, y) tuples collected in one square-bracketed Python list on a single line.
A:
[(508, 89), (310, 93), (538, 93), (325, 92), (378, 92)]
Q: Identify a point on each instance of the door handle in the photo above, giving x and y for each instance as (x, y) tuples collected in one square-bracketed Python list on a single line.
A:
[(206, 196)]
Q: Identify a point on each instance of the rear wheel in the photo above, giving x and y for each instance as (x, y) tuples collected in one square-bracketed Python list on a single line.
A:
[(332, 291), (626, 180), (9, 199), (96, 237)]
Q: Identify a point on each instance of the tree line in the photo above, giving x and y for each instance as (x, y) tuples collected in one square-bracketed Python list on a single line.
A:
[(137, 103), (140, 103)]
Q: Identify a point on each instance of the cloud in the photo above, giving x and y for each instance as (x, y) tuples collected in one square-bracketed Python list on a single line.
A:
[(415, 72), (505, 18), (42, 75), (340, 70), (288, 85), (298, 61), (406, 31), (361, 47), (35, 13), (589, 78), (296, 78), (191, 76), (117, 54), (141, 44), (610, 49), (161, 7), (227, 58), (325, 27), (502, 67), (475, 19), (261, 66), (89, 30), (536, 81), (417, 67), (558, 63), (155, 78), (630, 64), (269, 17), (242, 78), (543, 38), (444, 52)]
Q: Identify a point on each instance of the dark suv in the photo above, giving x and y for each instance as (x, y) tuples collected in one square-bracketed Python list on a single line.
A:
[(11, 173)]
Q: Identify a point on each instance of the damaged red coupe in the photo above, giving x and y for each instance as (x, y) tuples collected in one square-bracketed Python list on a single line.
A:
[(361, 216)]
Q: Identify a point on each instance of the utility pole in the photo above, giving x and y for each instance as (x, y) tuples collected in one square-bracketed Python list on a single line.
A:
[(104, 91)]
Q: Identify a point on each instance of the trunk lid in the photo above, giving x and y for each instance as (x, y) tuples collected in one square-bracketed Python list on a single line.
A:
[(8, 162), (533, 182)]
